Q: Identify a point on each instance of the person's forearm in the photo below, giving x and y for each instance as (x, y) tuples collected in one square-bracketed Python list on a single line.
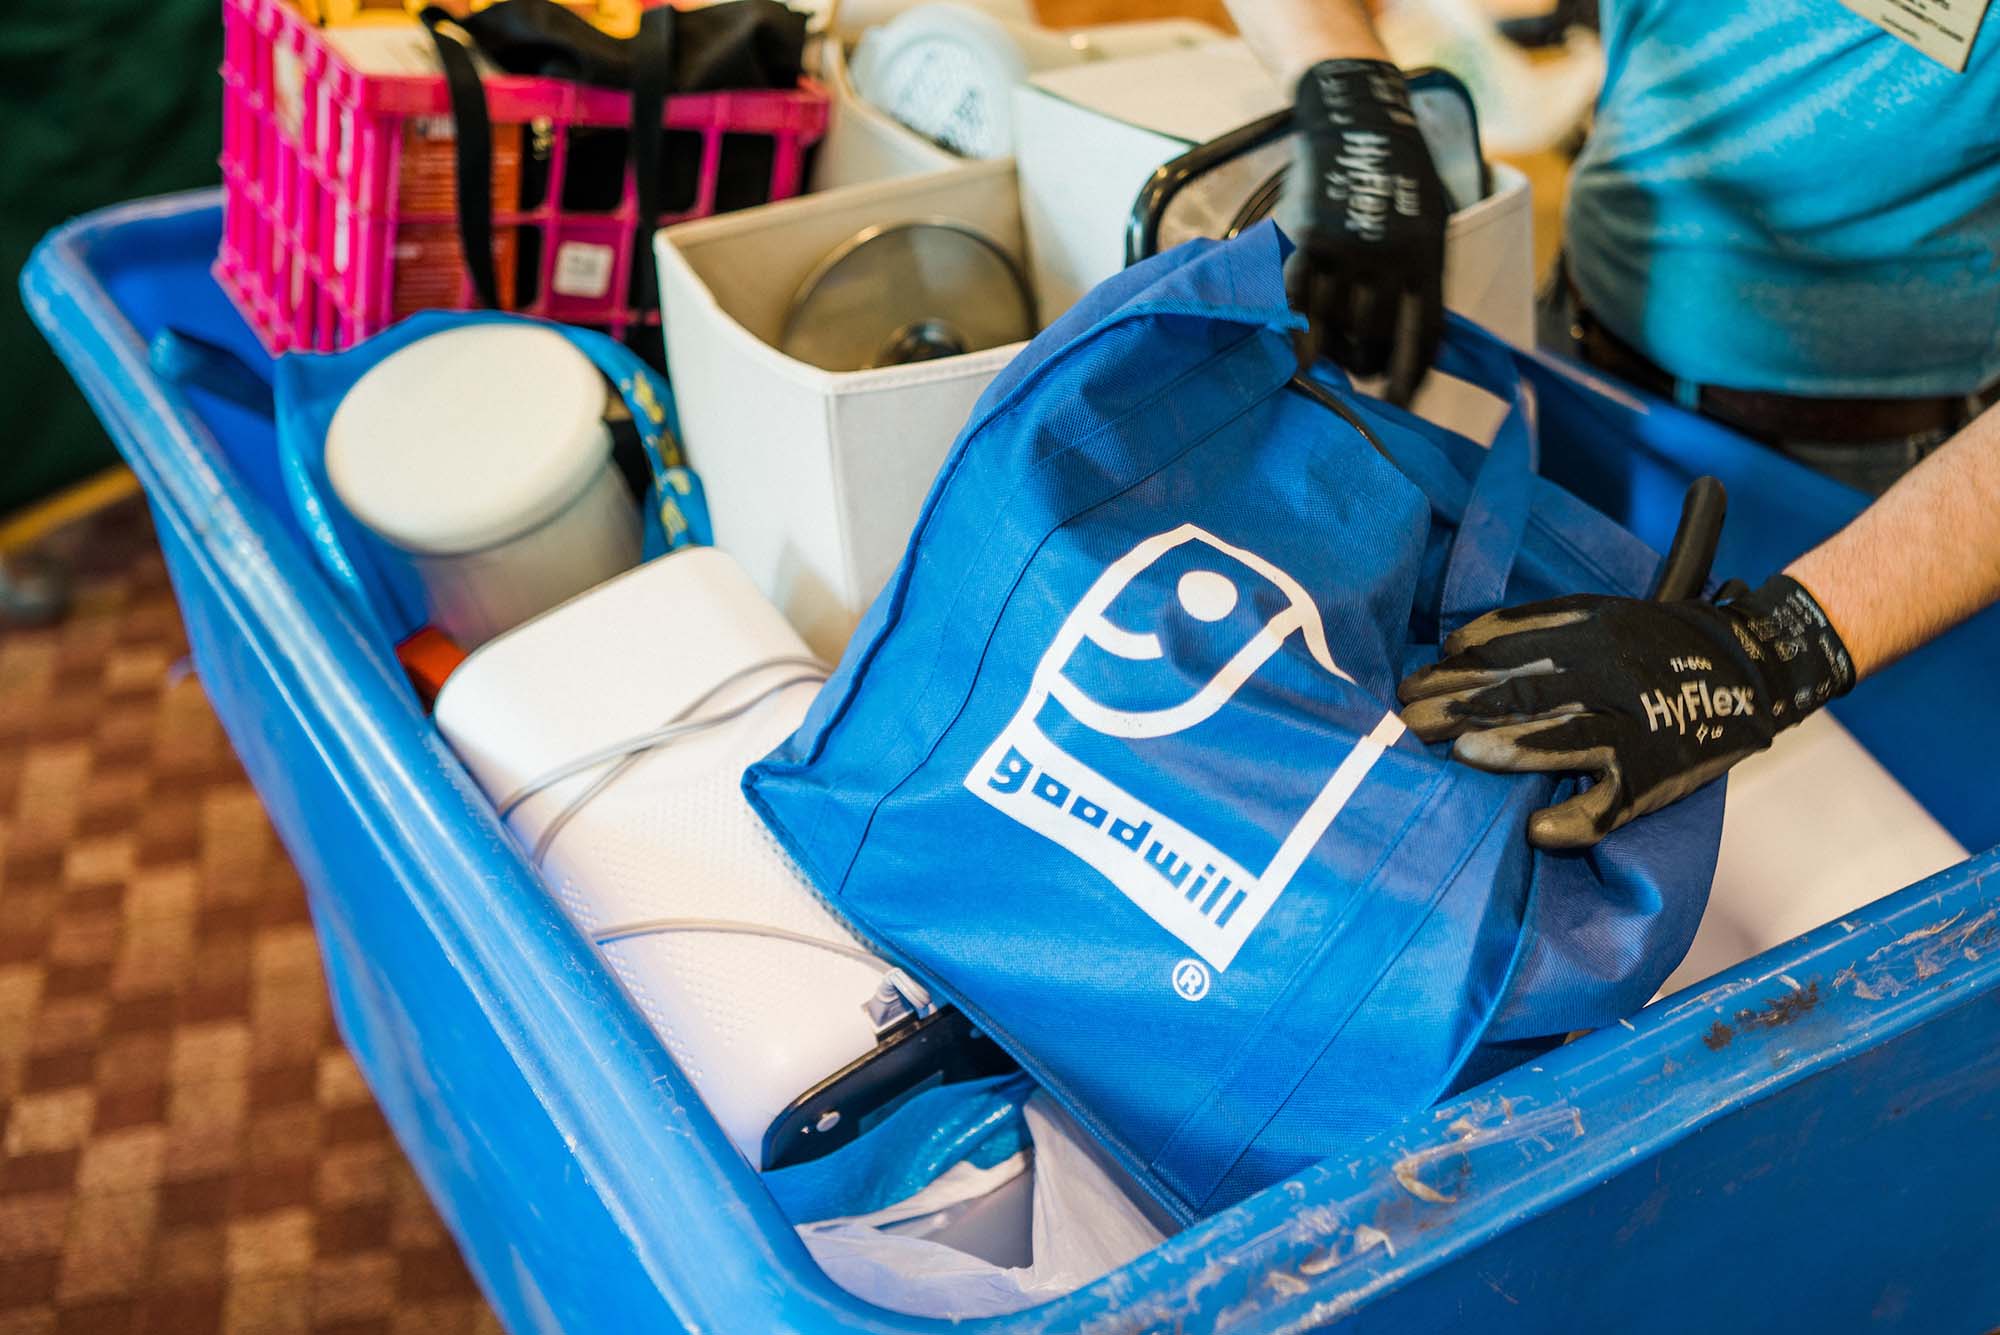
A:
[(1291, 36), (1921, 559)]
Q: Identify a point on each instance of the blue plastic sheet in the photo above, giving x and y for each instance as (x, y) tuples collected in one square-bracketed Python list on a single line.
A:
[(977, 1122)]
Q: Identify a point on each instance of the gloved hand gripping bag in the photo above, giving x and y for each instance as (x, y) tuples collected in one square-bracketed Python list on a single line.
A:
[(1114, 762)]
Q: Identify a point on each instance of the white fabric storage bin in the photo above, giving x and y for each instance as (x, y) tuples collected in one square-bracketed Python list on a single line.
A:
[(1087, 139), (754, 1020), (482, 454), (815, 477)]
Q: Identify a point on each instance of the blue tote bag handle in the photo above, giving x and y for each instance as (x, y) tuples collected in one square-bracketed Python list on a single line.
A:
[(384, 594), (1503, 493), (199, 364), (676, 513), (1493, 514)]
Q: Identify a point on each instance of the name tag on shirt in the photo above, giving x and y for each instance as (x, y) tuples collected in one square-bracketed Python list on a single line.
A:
[(1942, 29)]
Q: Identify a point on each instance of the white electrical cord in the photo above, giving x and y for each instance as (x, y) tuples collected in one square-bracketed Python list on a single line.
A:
[(651, 926), (626, 753), (897, 987)]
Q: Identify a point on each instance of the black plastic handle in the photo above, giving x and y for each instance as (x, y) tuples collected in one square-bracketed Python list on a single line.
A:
[(1685, 572)]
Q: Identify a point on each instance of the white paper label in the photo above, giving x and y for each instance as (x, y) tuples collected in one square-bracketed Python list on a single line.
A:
[(1942, 29), (288, 79), (342, 247), (583, 269)]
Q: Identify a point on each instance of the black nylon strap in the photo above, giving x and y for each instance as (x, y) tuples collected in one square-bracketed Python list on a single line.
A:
[(652, 76), (473, 149)]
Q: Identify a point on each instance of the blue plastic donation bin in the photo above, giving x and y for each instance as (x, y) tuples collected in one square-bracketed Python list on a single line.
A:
[(1808, 1142)]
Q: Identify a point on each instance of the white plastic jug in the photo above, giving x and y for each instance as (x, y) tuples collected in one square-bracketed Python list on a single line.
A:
[(481, 453)]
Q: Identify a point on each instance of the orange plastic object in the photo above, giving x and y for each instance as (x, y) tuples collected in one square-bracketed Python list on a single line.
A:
[(428, 657)]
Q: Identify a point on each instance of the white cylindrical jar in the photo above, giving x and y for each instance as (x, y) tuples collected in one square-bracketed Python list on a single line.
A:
[(482, 454)]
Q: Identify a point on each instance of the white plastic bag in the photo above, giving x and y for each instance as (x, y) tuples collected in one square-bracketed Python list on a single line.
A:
[(1084, 1226)]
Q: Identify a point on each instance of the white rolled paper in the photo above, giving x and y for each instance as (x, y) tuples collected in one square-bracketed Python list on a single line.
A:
[(754, 1020)]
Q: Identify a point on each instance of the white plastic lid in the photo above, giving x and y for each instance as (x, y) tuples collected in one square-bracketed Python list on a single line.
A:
[(469, 438)]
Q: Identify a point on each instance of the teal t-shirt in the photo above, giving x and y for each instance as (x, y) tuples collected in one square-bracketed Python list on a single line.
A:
[(1781, 196)]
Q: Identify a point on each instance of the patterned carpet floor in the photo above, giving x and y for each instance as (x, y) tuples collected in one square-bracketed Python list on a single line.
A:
[(186, 1145)]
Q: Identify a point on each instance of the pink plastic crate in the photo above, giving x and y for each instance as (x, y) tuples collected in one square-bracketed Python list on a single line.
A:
[(313, 164)]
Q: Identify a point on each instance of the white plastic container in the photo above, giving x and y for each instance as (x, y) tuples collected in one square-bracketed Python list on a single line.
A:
[(815, 477), (482, 454), (849, 19)]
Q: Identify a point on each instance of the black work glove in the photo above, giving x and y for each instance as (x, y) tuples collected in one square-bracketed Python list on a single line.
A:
[(1369, 273), (1651, 700)]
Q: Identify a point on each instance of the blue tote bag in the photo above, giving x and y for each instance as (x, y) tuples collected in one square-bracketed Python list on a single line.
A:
[(1114, 761)]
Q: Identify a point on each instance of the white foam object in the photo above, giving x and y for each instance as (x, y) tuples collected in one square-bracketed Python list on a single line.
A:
[(910, 1257), (863, 144), (814, 478), (482, 454), (1814, 829), (753, 1021)]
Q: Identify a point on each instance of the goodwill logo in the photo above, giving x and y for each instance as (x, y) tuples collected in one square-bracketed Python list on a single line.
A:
[(1227, 612)]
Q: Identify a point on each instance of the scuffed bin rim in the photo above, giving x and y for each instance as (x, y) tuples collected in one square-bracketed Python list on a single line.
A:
[(1304, 1253)]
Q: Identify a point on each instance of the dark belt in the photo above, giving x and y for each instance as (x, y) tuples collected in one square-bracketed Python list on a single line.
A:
[(1782, 417)]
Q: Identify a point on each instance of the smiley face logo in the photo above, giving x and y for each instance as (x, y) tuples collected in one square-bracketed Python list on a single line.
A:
[(1183, 606), (1165, 637)]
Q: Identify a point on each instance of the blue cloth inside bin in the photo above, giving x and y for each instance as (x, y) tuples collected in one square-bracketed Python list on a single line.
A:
[(977, 1122)]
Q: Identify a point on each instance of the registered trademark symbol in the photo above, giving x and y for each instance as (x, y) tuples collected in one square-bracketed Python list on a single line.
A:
[(1191, 980)]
